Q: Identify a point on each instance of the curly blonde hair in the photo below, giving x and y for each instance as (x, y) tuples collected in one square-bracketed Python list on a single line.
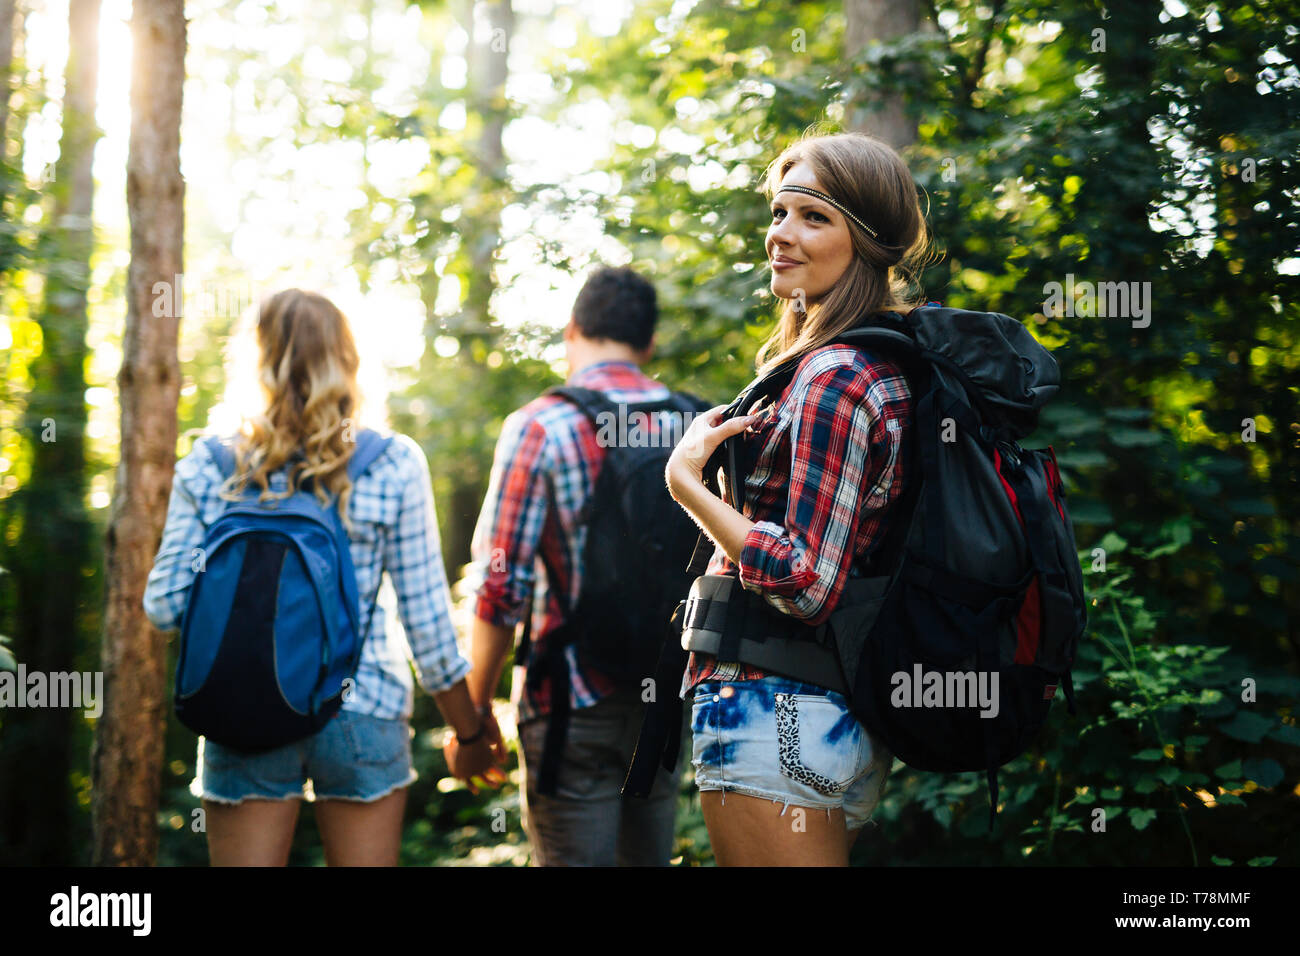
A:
[(307, 370)]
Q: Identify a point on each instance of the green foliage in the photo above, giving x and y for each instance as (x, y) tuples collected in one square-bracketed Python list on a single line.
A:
[(1156, 721), (1039, 156), (1169, 156)]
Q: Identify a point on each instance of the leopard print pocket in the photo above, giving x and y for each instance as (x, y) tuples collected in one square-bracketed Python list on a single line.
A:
[(820, 743)]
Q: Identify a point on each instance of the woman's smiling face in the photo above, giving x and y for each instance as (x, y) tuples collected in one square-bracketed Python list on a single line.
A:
[(808, 243)]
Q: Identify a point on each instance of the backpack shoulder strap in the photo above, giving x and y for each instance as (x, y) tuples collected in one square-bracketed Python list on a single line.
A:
[(887, 331), (221, 452), (889, 340), (370, 445), (589, 401)]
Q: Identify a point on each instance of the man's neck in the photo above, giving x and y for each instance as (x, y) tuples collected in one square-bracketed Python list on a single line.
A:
[(584, 359)]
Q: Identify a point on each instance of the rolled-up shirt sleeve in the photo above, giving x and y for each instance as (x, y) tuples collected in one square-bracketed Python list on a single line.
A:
[(509, 527), (836, 420), (167, 589)]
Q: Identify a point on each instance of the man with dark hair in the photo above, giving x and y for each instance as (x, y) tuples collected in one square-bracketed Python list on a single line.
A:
[(578, 724), (616, 305)]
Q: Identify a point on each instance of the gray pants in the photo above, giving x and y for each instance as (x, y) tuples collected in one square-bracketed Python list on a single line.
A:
[(587, 822)]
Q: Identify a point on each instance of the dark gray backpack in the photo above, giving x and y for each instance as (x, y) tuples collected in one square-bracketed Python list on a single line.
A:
[(638, 543)]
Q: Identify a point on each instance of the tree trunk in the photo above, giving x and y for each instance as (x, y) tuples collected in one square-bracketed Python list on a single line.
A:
[(883, 115), (128, 752), (49, 564), (487, 72), (9, 40), (8, 9)]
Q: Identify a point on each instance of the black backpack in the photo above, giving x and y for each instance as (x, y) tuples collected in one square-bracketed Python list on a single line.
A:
[(639, 542), (977, 574)]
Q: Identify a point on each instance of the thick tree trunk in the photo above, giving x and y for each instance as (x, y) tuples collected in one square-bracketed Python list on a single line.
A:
[(49, 564), (128, 751), (866, 21)]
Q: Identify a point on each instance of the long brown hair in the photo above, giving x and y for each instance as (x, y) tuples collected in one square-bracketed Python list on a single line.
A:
[(868, 177), (307, 369)]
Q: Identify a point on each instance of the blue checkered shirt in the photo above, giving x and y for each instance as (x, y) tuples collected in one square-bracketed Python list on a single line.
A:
[(394, 528)]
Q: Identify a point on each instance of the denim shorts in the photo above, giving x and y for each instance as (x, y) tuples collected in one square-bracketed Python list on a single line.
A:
[(790, 742), (353, 757)]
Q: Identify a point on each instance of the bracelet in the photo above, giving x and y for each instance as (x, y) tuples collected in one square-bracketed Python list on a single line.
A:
[(482, 729)]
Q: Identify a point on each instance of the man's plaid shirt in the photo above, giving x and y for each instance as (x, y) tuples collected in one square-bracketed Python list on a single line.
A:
[(830, 460), (547, 442), (394, 529)]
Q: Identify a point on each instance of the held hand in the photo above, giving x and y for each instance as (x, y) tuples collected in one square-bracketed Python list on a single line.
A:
[(492, 734), (476, 764), (705, 434), (479, 763)]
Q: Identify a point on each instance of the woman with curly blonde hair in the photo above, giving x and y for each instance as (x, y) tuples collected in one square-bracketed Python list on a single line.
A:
[(356, 768)]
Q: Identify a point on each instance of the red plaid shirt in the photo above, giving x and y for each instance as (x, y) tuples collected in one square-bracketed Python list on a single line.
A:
[(830, 462), (547, 442)]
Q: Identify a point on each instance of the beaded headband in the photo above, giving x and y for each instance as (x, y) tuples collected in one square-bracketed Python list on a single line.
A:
[(838, 205)]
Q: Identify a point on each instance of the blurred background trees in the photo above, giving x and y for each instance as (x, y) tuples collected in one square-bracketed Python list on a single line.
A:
[(449, 171)]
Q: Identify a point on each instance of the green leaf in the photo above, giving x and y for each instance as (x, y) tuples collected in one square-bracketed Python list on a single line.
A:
[(1135, 437), (1081, 459), (1221, 861), (1180, 530), (1168, 774), (1265, 771), (1147, 783), (1261, 861), (1248, 727), (1283, 684), (1154, 753), (1128, 414), (1141, 819), (1112, 543), (1229, 771), (1286, 734), (1229, 799), (1085, 511), (7, 662), (1217, 704)]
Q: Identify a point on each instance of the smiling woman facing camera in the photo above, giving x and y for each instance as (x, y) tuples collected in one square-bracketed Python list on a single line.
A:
[(284, 663), (826, 465)]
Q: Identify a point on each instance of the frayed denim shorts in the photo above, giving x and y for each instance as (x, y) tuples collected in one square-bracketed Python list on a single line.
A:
[(353, 757), (790, 742)]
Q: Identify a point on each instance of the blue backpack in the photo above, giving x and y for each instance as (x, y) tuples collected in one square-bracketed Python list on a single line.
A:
[(271, 631)]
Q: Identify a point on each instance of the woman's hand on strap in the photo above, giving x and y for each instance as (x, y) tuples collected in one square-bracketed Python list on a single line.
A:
[(707, 432)]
